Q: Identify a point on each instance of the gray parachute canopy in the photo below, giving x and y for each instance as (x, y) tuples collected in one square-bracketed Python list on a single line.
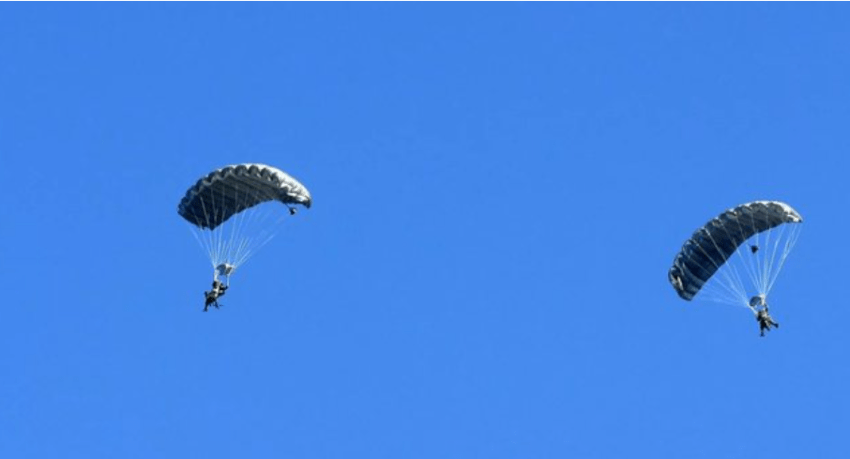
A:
[(225, 192), (712, 245)]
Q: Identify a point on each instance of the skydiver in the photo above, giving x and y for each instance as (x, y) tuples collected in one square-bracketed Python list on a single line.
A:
[(213, 295), (754, 249), (764, 319)]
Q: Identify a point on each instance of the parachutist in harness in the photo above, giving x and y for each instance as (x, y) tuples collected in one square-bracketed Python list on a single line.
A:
[(765, 321), (759, 306), (754, 249), (213, 295)]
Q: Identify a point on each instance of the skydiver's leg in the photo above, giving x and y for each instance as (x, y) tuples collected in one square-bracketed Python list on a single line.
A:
[(208, 300)]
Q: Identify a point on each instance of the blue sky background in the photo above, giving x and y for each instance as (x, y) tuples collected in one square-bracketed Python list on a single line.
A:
[(499, 190)]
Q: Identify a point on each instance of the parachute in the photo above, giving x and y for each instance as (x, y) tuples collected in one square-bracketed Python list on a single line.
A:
[(715, 260), (233, 213)]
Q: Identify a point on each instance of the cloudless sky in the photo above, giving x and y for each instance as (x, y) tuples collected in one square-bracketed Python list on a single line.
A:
[(499, 191)]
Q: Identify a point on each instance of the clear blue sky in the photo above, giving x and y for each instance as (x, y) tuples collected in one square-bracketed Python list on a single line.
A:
[(499, 190)]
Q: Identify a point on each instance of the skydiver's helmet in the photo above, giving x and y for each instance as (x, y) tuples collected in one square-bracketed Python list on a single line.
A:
[(224, 269), (758, 300)]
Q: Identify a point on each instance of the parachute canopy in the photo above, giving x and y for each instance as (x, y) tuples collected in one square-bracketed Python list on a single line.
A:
[(711, 246), (225, 192), (233, 213)]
